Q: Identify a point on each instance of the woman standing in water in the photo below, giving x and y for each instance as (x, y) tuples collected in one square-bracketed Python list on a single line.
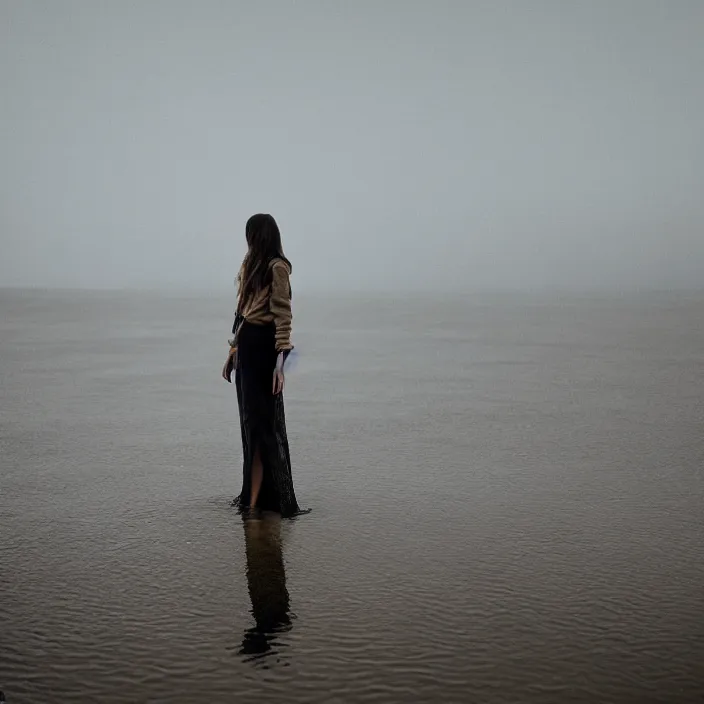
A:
[(258, 350)]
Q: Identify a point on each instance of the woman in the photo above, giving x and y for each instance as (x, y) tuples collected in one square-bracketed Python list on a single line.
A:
[(258, 350)]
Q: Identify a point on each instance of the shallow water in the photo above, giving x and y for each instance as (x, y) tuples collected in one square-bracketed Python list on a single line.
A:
[(507, 504)]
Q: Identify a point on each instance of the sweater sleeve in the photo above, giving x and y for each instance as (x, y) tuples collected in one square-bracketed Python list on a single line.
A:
[(280, 306)]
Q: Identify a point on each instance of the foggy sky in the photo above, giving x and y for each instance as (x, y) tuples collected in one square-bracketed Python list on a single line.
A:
[(400, 144)]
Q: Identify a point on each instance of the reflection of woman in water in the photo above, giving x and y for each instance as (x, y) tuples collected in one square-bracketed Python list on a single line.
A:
[(266, 579), (258, 350)]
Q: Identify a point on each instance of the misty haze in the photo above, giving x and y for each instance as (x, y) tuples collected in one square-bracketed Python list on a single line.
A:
[(495, 219), (399, 144)]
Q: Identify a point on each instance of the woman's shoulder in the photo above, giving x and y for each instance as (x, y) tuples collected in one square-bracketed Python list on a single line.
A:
[(280, 265)]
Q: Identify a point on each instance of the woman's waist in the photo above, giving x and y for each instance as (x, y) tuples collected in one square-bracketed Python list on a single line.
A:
[(258, 318), (257, 326), (258, 312)]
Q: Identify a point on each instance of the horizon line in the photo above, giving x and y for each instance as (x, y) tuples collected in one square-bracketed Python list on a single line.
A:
[(371, 291)]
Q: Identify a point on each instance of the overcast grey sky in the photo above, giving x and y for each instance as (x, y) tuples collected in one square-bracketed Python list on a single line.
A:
[(405, 143)]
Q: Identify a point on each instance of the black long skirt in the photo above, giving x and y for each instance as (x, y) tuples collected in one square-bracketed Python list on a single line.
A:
[(262, 422)]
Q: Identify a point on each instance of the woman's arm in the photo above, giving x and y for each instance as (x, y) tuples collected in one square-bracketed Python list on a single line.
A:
[(231, 360), (230, 363), (280, 306)]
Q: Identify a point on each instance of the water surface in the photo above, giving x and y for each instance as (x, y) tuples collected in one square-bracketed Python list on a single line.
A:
[(507, 504)]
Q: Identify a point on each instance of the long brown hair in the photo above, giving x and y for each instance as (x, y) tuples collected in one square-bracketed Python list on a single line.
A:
[(264, 242)]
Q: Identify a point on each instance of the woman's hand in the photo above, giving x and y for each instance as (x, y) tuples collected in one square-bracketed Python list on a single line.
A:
[(229, 365), (278, 382), (278, 386)]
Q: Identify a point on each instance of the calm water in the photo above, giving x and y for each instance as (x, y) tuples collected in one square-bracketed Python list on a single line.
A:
[(507, 502)]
